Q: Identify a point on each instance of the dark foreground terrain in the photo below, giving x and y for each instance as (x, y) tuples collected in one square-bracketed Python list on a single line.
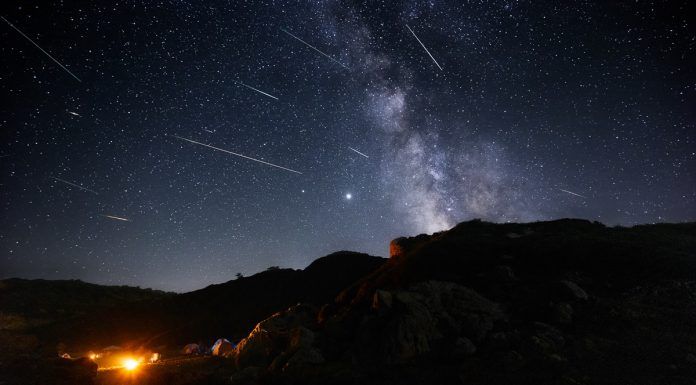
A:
[(561, 302)]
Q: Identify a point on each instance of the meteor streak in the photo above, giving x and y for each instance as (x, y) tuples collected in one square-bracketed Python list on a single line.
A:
[(354, 150), (42, 50), (116, 218), (236, 154), (572, 193), (422, 45), (257, 90), (75, 185), (314, 48)]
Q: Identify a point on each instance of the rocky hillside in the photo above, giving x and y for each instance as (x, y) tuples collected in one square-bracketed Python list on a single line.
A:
[(562, 302)]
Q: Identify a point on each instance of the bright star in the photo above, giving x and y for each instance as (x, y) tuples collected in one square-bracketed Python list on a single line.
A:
[(349, 196)]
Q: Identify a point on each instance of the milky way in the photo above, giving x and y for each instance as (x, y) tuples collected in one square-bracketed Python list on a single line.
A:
[(356, 123)]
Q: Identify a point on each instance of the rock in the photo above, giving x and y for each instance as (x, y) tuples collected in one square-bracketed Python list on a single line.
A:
[(563, 313), (467, 312), (433, 311), (246, 376), (691, 358), (573, 291), (547, 343), (556, 360), (504, 274), (511, 361), (411, 330), (397, 247), (301, 338), (498, 341), (381, 300), (270, 336), (254, 350), (298, 315), (304, 357), (400, 246), (464, 346), (326, 312), (550, 335)]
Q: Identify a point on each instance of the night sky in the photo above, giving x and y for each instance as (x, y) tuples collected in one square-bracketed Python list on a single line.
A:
[(504, 110)]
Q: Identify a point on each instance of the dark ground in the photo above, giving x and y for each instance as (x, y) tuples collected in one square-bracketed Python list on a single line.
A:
[(562, 302)]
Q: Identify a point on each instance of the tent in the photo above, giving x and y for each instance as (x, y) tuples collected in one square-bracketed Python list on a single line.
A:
[(191, 349), (222, 347)]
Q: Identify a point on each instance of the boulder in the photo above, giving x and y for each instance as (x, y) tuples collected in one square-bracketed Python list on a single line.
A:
[(511, 361), (572, 291), (382, 300), (462, 310), (254, 350), (464, 347), (397, 247), (563, 313), (547, 340), (432, 312), (301, 338), (504, 274), (400, 246), (691, 358), (282, 332), (304, 357)]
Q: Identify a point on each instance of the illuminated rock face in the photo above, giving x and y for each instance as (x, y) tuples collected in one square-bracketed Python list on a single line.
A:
[(283, 339), (397, 247), (401, 246)]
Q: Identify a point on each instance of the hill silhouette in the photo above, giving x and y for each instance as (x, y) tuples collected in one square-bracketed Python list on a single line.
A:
[(136, 317), (28, 303)]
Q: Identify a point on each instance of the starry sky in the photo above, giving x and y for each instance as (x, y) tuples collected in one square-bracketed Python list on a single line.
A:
[(173, 144)]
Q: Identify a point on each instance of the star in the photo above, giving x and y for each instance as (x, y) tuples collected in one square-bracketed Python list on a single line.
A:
[(431, 124)]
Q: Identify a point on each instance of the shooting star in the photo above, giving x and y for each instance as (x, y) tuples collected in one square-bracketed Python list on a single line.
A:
[(354, 150), (116, 218), (236, 154), (423, 45), (314, 48), (257, 90), (572, 193), (42, 50), (75, 185), (74, 113)]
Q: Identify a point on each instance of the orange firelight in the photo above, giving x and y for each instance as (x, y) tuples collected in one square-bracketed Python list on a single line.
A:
[(130, 364)]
